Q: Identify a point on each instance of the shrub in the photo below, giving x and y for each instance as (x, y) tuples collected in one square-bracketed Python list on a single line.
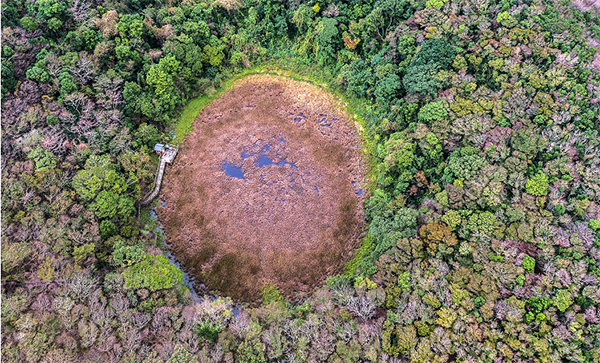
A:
[(206, 330), (270, 294)]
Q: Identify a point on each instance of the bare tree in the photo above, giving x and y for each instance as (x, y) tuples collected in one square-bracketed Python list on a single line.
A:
[(80, 11), (106, 340), (132, 340), (110, 95), (217, 354), (55, 140), (54, 64), (83, 69), (139, 320), (88, 333), (81, 286), (362, 307), (240, 325), (75, 100)]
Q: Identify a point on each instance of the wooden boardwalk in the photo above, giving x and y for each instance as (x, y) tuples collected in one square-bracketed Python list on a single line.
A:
[(167, 157)]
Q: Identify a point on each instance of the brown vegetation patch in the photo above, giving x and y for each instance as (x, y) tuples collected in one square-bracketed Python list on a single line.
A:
[(295, 216)]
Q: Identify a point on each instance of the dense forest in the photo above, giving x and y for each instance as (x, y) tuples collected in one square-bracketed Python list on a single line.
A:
[(481, 120)]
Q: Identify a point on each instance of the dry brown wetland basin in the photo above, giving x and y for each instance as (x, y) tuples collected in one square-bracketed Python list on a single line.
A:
[(266, 189)]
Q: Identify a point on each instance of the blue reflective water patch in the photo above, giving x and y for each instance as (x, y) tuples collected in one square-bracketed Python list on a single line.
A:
[(359, 191), (233, 171), (264, 161), (300, 119)]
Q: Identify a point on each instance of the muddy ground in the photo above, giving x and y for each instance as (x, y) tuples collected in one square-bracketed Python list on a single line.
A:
[(265, 189)]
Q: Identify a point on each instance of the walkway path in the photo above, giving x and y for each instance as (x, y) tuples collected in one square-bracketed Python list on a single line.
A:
[(166, 158)]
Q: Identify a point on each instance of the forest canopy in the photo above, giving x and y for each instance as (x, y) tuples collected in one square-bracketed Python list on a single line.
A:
[(481, 121)]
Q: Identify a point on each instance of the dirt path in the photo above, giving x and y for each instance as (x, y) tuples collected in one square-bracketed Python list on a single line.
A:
[(264, 190)]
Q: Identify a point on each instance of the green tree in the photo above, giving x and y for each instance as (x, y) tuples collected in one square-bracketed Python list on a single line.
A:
[(9, 81), (252, 351), (38, 74), (124, 255), (397, 339), (67, 85), (270, 294), (130, 26), (43, 159), (421, 79), (484, 222), (387, 228), (213, 55), (51, 11), (563, 300), (161, 79), (107, 229), (326, 40), (528, 263), (464, 164), (388, 89), (435, 55), (153, 273), (538, 185), (433, 111), (90, 39), (400, 153), (181, 355), (29, 23), (88, 183), (105, 204), (82, 252), (198, 31)]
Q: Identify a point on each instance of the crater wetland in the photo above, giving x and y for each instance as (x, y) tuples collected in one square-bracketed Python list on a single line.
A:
[(265, 190)]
